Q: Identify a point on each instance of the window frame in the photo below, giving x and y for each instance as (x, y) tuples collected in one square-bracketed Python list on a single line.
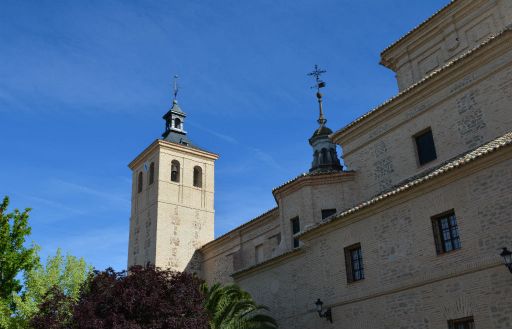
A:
[(177, 123), (467, 323), (349, 263), (151, 178), (293, 221), (140, 182), (328, 212), (417, 148), (197, 179), (439, 232), (178, 170)]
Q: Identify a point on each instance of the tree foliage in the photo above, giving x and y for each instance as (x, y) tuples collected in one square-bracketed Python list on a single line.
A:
[(61, 276), (14, 257), (147, 298), (230, 307), (54, 312)]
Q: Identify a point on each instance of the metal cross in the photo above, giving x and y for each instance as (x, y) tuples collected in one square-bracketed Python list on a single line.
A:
[(317, 72)]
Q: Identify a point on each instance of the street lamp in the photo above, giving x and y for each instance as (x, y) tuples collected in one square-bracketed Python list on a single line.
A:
[(327, 314), (507, 258)]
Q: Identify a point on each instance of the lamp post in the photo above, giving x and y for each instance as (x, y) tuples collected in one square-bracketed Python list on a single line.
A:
[(507, 258), (323, 314)]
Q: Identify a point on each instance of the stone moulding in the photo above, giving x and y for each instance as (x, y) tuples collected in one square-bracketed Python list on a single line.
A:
[(164, 144), (425, 279), (348, 130), (266, 215), (415, 29), (311, 179), (277, 260)]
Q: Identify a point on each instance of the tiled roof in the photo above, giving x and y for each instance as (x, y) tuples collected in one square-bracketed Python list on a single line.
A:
[(422, 81), (420, 25), (268, 261), (240, 227), (314, 173), (496, 144)]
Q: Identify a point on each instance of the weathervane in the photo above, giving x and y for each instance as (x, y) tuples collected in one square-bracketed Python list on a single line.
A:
[(176, 89), (317, 72)]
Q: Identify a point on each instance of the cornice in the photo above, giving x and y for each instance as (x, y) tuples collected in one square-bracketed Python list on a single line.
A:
[(435, 80), (413, 34), (426, 278), (165, 145), (231, 234), (278, 260), (312, 179)]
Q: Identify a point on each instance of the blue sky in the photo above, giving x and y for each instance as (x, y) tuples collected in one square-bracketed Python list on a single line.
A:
[(83, 86)]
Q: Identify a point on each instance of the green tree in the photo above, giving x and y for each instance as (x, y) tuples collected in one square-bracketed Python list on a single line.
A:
[(64, 275), (15, 258), (146, 298), (230, 307)]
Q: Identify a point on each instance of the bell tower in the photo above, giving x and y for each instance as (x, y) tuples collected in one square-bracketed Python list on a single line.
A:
[(172, 204)]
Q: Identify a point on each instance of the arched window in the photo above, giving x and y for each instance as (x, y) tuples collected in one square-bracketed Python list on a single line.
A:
[(177, 123), (139, 183), (198, 176), (324, 156), (151, 173), (175, 171)]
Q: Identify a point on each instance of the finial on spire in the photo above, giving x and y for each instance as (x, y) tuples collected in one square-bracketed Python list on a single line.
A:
[(317, 72), (176, 89)]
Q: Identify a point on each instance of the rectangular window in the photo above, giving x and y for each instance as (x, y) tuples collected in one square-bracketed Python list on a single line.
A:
[(295, 229), (425, 147), (465, 323), (258, 252), (328, 212), (446, 232), (354, 263)]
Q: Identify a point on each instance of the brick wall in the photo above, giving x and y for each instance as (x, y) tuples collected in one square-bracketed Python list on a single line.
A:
[(464, 108), (406, 285)]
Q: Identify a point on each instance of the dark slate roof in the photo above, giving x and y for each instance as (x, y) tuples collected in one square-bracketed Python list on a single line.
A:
[(178, 138), (490, 147), (321, 131), (176, 109), (181, 139)]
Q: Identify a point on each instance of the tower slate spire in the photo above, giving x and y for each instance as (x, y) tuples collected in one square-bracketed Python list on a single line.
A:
[(325, 157), (175, 121)]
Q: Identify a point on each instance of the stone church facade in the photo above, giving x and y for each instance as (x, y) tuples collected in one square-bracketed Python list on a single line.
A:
[(405, 235)]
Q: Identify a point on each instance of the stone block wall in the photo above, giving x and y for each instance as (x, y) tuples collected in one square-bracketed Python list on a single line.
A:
[(407, 284), (141, 249), (307, 203), (172, 219), (465, 106), (460, 27), (237, 249)]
